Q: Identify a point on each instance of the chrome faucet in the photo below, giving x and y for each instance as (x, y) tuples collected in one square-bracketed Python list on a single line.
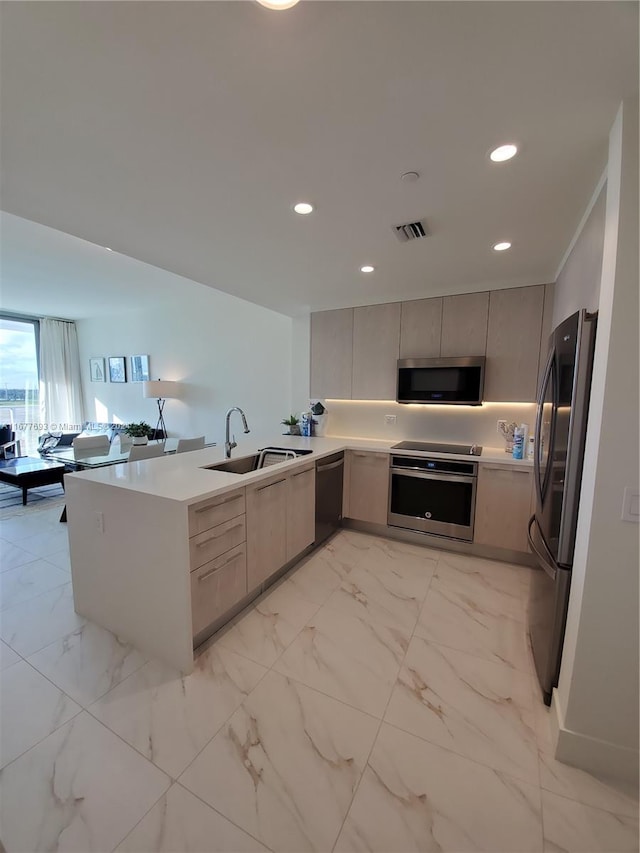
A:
[(230, 444)]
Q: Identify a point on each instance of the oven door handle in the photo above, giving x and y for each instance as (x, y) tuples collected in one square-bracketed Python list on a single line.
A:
[(425, 475)]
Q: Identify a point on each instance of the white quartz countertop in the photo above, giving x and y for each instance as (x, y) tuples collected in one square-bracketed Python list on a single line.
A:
[(184, 477)]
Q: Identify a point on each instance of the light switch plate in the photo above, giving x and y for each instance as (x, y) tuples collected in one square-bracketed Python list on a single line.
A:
[(390, 419), (631, 505)]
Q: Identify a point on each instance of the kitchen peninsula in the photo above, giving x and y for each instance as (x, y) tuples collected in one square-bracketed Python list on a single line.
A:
[(165, 551)]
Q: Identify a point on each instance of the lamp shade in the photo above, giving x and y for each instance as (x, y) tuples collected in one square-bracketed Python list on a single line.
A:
[(160, 389)]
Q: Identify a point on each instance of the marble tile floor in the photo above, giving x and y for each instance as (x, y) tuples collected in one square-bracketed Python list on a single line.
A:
[(381, 697)]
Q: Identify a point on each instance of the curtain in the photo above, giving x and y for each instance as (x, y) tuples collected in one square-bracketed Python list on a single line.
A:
[(61, 402)]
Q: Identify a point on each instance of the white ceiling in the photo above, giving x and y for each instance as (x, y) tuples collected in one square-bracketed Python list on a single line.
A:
[(179, 134)]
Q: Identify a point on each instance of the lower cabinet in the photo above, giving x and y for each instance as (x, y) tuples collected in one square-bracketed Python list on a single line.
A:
[(280, 522), (503, 506), (367, 486), (301, 515), (266, 530), (217, 586), (217, 557)]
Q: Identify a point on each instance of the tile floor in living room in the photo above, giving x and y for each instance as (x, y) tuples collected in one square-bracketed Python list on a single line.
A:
[(380, 698)]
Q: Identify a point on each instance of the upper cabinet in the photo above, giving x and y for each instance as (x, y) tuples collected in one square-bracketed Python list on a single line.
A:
[(513, 344), (464, 325), (354, 351), (420, 328), (376, 345), (332, 353)]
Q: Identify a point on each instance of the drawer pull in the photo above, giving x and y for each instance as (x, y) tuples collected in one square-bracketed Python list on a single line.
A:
[(217, 536), (331, 465), (277, 482), (300, 473), (213, 506), (217, 568), (507, 470), (375, 457)]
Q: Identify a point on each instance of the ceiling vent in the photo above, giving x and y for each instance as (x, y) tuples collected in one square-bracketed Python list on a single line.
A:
[(410, 231)]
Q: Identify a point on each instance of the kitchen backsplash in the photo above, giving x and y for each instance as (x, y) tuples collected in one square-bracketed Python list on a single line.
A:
[(458, 424)]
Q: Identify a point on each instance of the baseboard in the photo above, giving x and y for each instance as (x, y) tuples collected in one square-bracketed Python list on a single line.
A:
[(600, 757)]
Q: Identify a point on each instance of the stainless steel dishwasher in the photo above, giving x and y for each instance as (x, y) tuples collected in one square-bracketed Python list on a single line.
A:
[(329, 473)]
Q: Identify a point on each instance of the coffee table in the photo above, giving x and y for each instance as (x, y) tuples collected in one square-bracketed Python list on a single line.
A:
[(28, 473)]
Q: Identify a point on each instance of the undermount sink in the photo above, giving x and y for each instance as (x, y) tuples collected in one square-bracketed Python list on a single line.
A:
[(243, 465), (247, 464)]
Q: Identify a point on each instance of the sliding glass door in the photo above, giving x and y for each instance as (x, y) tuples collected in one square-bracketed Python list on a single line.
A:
[(19, 390)]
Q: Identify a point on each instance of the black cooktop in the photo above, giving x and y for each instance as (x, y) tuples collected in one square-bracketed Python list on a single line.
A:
[(433, 447)]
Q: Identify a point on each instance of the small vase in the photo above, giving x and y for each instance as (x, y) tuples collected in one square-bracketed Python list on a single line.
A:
[(140, 439), (294, 430)]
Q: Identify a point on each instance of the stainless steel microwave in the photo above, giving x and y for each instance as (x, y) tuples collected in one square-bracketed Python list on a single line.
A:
[(448, 381)]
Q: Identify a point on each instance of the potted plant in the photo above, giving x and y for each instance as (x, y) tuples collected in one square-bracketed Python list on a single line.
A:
[(293, 422), (140, 433)]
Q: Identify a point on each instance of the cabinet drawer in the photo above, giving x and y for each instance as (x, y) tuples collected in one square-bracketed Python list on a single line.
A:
[(217, 586), (209, 513), (210, 544)]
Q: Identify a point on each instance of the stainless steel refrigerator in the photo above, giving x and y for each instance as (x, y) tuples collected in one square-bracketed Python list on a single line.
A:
[(561, 424)]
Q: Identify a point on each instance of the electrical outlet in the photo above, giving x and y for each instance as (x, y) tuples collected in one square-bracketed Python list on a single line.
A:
[(99, 519), (390, 419), (502, 425)]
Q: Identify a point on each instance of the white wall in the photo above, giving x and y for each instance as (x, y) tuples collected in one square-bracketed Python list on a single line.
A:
[(578, 282), (596, 702), (300, 363), (226, 352)]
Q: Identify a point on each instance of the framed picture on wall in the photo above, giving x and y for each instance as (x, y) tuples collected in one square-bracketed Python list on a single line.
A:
[(96, 368), (140, 368), (117, 368)]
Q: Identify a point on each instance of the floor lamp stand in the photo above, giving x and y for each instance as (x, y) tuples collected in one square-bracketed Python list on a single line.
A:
[(161, 427)]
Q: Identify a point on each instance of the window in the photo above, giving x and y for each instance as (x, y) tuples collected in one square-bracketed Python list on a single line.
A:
[(19, 391)]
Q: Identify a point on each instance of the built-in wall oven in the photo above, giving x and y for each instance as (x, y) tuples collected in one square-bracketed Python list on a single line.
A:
[(433, 495)]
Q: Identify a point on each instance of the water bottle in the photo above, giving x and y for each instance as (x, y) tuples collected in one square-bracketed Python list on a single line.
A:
[(518, 443)]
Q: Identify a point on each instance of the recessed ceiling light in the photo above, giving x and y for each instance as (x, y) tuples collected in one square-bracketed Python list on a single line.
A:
[(503, 152), (108, 249), (367, 268), (278, 5), (502, 247), (303, 208), (410, 177)]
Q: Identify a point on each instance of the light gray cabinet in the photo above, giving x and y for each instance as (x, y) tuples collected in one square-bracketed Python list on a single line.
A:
[(376, 345), (420, 328), (331, 353), (280, 522), (367, 486), (301, 511), (354, 351), (266, 530), (503, 506), (464, 325), (513, 344)]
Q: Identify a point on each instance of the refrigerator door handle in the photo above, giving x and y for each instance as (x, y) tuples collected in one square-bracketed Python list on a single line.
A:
[(538, 429), (546, 561)]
